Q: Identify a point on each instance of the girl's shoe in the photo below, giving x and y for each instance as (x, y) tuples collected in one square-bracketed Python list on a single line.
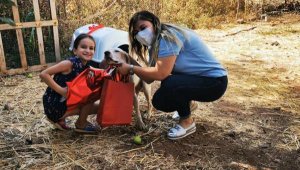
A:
[(89, 128), (179, 132), (60, 125)]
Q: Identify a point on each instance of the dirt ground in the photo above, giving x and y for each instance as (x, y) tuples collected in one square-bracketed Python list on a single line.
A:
[(255, 125)]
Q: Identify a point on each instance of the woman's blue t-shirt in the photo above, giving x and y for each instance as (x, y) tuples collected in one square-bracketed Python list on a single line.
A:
[(193, 56)]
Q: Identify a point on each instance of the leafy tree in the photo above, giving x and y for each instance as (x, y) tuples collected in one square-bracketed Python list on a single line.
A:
[(6, 20)]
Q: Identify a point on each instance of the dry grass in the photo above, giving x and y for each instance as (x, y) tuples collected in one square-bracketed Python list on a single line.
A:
[(254, 126)]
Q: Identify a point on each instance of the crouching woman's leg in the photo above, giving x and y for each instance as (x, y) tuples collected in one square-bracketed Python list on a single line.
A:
[(177, 91)]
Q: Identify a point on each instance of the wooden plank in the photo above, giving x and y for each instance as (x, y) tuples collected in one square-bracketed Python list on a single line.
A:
[(2, 57), (27, 25), (28, 69), (19, 36), (39, 31), (55, 31)]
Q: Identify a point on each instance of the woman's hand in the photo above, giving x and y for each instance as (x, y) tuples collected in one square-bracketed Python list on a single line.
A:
[(124, 68), (160, 71)]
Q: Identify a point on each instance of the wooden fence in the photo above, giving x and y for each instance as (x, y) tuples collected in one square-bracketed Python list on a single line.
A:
[(38, 24)]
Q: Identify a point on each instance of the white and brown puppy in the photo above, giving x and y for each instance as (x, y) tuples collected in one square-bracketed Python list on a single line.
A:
[(120, 55)]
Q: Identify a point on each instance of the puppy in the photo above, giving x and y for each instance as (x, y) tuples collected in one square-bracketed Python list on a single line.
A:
[(120, 55)]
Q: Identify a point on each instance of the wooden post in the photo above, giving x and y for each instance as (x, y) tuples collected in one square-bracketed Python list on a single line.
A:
[(2, 57), (19, 35), (39, 31), (246, 6), (262, 7), (237, 9), (26, 25), (55, 30)]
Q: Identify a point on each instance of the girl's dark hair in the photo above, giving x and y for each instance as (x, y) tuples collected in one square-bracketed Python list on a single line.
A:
[(80, 37)]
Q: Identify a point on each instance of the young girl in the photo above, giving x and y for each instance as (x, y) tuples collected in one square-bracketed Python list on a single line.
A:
[(187, 69), (54, 99)]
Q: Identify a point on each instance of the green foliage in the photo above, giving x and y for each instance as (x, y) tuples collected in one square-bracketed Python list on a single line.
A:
[(30, 16), (7, 3), (32, 43), (7, 21)]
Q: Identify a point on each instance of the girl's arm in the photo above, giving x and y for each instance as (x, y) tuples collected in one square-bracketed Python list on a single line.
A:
[(63, 67), (160, 71)]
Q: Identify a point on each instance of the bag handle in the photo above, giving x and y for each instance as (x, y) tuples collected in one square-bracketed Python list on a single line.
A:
[(112, 71)]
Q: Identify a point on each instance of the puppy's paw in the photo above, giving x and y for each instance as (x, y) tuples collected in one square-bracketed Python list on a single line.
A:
[(147, 114), (141, 126)]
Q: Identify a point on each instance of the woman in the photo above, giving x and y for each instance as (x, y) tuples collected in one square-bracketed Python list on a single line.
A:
[(181, 61)]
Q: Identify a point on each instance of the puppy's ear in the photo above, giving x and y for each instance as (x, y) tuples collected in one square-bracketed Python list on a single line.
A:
[(124, 47)]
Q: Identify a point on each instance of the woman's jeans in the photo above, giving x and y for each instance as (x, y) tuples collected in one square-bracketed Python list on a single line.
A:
[(176, 92)]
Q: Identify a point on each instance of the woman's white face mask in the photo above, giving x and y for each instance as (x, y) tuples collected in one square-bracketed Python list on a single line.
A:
[(145, 37)]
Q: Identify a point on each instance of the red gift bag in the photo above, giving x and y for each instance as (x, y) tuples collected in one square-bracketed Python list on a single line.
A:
[(85, 88), (116, 103)]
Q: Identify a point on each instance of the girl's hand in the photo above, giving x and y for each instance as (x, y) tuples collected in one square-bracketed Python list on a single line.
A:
[(64, 92), (63, 67), (124, 69)]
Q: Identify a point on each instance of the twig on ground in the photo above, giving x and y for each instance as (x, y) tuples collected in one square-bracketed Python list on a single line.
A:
[(33, 124), (248, 29), (274, 114), (144, 147), (2, 80), (31, 109), (152, 149), (149, 131), (242, 165), (269, 128), (74, 162), (246, 55)]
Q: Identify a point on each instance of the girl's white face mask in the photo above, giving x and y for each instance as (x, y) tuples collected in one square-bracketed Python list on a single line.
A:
[(145, 37)]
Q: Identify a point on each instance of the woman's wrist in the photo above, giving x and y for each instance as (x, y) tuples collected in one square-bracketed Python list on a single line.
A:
[(131, 72)]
